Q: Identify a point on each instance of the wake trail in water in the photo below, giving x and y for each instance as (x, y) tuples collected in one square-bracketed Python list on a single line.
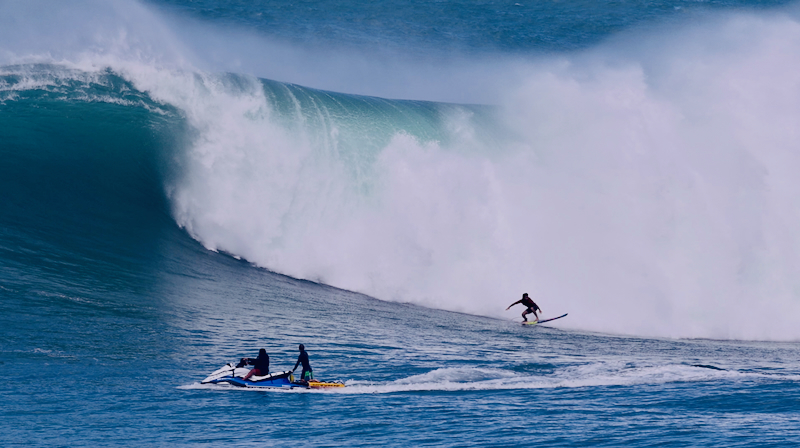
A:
[(583, 376)]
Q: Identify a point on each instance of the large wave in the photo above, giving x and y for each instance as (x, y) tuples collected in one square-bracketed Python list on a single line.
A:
[(645, 186)]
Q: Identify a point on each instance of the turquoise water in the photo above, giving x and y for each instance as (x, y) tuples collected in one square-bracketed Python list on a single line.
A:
[(182, 185)]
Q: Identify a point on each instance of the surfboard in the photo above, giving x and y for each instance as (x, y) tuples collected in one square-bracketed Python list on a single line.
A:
[(543, 321), (319, 384)]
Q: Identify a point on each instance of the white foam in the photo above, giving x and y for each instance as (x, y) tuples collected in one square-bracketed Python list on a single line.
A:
[(583, 376), (644, 195)]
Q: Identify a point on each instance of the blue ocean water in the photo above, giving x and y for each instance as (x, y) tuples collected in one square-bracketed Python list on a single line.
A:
[(185, 182)]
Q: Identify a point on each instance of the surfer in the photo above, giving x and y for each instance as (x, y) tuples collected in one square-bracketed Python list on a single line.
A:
[(532, 307), (306, 375), (260, 364)]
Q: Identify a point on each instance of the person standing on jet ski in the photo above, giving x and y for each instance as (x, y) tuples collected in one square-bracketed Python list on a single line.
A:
[(261, 364), (306, 374)]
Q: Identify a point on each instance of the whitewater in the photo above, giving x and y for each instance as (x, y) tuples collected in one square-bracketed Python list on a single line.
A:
[(183, 183)]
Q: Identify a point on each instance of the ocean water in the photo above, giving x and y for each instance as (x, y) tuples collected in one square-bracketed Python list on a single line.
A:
[(185, 182)]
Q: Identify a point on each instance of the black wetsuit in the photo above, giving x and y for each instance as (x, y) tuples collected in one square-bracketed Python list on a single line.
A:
[(532, 306), (262, 364), (303, 359)]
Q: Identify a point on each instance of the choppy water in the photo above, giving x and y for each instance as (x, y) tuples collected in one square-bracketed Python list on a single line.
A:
[(181, 181)]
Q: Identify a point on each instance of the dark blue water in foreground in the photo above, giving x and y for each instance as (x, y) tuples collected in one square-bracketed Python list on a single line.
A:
[(111, 314)]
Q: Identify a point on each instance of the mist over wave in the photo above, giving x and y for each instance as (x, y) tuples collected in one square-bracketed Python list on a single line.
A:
[(645, 186)]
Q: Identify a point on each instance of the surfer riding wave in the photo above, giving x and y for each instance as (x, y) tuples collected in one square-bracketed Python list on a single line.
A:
[(532, 307)]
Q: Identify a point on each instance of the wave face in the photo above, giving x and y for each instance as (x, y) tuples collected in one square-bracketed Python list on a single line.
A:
[(82, 175), (646, 185)]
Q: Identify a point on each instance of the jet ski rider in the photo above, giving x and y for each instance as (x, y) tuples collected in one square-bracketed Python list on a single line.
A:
[(532, 307), (261, 364), (306, 374)]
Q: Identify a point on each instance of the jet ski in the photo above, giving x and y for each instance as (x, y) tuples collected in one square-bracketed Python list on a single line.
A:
[(233, 374)]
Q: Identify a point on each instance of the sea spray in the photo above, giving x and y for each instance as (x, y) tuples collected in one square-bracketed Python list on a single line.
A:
[(650, 193)]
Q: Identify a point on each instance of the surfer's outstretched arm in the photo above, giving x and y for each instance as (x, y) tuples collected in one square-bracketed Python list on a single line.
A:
[(509, 306)]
